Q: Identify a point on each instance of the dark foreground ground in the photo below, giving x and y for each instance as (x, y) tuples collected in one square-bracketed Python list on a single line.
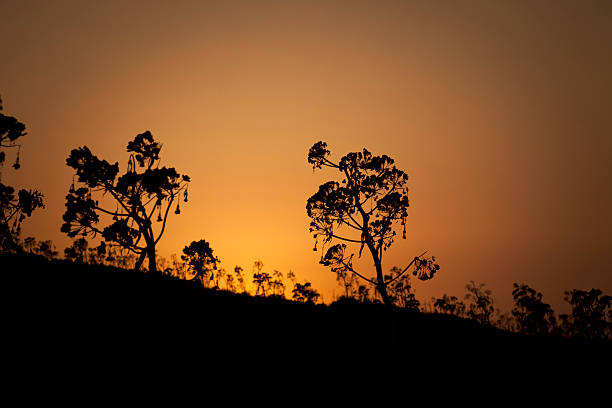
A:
[(58, 312)]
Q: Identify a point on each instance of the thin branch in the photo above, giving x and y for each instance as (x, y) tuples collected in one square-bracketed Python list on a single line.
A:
[(347, 239), (350, 268), (406, 268), (329, 163), (110, 212)]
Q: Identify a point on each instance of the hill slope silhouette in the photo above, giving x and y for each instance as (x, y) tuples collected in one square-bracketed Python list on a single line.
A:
[(56, 309)]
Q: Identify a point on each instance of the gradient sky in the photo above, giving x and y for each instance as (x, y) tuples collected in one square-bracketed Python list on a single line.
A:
[(499, 111)]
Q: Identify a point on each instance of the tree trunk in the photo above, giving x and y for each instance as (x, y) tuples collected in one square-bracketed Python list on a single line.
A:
[(381, 287), (151, 256), (140, 260)]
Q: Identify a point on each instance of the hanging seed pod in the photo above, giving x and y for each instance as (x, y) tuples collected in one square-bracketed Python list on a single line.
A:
[(315, 247), (16, 166), (159, 217), (178, 209), (185, 195)]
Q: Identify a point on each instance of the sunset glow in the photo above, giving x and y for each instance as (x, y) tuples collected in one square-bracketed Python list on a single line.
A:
[(499, 112)]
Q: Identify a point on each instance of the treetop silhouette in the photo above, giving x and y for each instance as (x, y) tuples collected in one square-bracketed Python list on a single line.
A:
[(137, 195), (368, 203)]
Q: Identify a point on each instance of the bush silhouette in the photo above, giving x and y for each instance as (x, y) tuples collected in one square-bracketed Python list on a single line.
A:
[(591, 316), (200, 261), (138, 197), (369, 201), (531, 314), (449, 305)]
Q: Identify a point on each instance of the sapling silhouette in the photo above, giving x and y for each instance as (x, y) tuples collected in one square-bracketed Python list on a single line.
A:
[(14, 208), (304, 293), (138, 197), (277, 285), (241, 283), (261, 280), (531, 314), (367, 204), (480, 306)]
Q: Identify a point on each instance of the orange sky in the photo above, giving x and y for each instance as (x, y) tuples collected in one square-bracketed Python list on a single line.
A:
[(498, 111)]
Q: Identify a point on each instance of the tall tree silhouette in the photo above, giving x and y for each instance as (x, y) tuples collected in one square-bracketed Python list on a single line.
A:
[(137, 196), (365, 208), (14, 208)]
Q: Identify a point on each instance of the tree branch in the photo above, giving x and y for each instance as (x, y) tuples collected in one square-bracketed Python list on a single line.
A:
[(405, 269)]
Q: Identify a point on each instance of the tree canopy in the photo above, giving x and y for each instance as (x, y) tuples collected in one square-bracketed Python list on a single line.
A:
[(138, 196)]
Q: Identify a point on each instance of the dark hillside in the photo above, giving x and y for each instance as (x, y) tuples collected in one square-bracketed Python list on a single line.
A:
[(57, 309)]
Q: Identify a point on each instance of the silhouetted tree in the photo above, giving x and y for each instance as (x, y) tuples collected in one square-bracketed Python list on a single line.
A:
[(449, 305), (480, 306), (367, 203), (200, 261), (531, 314), (138, 197), (14, 208), (77, 252), (591, 316)]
